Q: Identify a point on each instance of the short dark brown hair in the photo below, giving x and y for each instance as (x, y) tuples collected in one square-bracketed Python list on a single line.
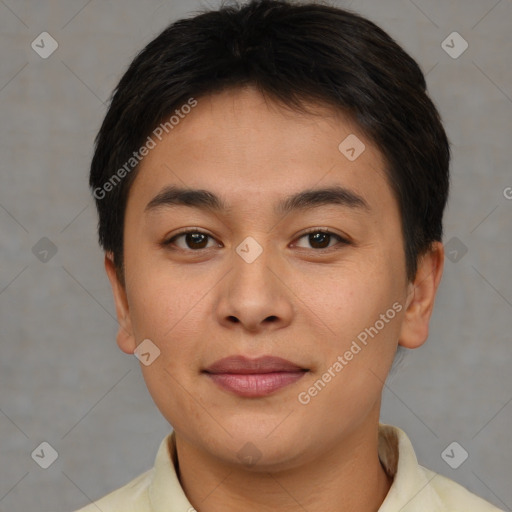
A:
[(296, 54)]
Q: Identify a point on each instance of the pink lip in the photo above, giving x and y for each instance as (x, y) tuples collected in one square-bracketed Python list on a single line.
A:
[(254, 377)]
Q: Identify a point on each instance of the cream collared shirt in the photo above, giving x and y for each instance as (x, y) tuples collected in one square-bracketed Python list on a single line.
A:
[(414, 488)]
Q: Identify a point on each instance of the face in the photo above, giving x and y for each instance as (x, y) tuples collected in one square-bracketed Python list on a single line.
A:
[(318, 281)]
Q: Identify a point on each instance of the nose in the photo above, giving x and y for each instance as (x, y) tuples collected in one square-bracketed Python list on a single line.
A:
[(254, 296)]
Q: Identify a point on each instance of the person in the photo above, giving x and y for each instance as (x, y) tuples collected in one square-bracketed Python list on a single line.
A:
[(270, 179)]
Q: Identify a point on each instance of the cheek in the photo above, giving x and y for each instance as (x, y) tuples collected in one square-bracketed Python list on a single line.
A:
[(356, 352), (160, 296), (348, 299), (174, 310), (362, 308)]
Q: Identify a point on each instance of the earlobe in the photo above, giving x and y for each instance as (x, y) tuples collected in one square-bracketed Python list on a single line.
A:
[(125, 336), (421, 297)]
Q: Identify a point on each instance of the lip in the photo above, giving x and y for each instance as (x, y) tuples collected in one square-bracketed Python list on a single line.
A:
[(254, 377)]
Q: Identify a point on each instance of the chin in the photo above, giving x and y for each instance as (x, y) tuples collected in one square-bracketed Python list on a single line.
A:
[(256, 451)]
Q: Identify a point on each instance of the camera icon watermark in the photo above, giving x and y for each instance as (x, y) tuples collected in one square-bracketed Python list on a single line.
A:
[(454, 455), (249, 249), (507, 193), (44, 455), (454, 45), (249, 454), (455, 249), (44, 45), (352, 147), (146, 352), (44, 250)]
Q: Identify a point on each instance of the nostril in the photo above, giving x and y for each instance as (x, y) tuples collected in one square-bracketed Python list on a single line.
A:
[(233, 319)]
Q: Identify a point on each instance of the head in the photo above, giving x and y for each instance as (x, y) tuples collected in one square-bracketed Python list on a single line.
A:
[(297, 145)]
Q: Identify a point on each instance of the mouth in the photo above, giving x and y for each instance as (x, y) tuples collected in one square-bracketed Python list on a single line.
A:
[(254, 377)]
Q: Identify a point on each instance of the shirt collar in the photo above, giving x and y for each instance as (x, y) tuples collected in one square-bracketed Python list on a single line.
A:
[(410, 492), (165, 491)]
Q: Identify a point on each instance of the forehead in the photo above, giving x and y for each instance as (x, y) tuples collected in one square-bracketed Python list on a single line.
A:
[(249, 150)]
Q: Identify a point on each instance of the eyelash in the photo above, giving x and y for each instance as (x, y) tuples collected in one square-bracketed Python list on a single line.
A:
[(341, 241)]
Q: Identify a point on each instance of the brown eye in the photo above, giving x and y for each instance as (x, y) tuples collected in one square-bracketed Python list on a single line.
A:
[(190, 240), (321, 240), (196, 240)]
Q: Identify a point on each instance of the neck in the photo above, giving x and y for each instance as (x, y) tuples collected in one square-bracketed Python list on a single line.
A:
[(346, 477)]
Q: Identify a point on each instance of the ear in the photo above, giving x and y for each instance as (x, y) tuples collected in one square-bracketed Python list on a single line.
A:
[(420, 298), (125, 337)]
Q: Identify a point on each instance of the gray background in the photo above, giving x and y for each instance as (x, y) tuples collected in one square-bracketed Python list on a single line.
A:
[(62, 378)]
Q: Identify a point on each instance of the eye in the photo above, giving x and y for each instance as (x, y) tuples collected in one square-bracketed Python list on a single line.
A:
[(193, 239), (321, 239), (196, 240)]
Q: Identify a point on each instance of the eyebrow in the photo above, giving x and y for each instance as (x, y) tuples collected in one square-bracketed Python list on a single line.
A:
[(310, 198)]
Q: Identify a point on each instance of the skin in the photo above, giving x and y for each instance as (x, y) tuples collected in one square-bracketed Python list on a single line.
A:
[(295, 301)]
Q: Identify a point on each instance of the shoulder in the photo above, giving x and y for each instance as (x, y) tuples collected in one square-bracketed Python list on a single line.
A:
[(416, 488), (455, 497), (158, 485), (132, 497)]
